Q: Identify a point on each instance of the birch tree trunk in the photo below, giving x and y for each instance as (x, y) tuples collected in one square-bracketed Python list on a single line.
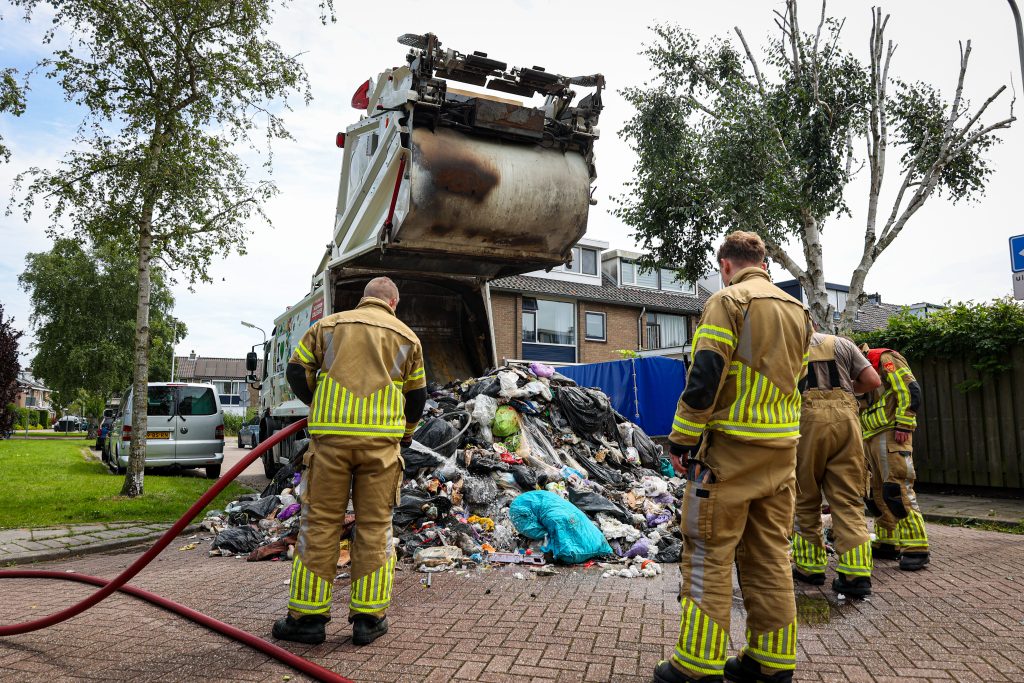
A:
[(135, 472)]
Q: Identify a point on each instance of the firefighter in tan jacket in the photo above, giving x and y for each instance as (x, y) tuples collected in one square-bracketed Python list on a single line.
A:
[(361, 372), (742, 406), (830, 461), (888, 424)]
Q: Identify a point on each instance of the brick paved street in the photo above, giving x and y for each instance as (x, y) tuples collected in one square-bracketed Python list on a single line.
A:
[(960, 620)]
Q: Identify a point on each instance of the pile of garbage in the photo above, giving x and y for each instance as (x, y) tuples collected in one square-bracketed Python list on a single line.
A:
[(520, 466)]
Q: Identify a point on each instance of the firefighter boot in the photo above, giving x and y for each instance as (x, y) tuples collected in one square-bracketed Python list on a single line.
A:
[(911, 562), (309, 629), (852, 586), (367, 628), (666, 673), (815, 579), (746, 670)]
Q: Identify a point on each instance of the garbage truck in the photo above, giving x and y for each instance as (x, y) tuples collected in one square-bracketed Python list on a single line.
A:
[(444, 189)]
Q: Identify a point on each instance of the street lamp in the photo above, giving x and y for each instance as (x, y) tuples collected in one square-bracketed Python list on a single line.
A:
[(255, 327), (1020, 34)]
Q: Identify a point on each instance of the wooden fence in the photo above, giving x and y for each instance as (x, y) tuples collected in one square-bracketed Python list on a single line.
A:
[(974, 438)]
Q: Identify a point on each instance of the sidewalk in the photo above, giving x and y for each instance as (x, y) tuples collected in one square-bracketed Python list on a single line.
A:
[(21, 546)]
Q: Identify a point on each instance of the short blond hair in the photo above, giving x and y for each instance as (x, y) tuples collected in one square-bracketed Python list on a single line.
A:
[(381, 288), (742, 247)]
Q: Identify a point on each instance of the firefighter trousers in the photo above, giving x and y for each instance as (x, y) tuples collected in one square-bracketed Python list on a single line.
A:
[(742, 511), (899, 523), (830, 461), (373, 478)]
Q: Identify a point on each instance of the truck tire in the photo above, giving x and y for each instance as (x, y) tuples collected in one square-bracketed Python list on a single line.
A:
[(270, 462), (213, 471)]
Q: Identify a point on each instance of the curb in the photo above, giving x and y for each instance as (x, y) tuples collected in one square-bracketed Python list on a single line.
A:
[(90, 549), (962, 520)]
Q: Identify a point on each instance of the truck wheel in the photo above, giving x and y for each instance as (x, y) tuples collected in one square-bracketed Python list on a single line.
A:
[(213, 471), (270, 467)]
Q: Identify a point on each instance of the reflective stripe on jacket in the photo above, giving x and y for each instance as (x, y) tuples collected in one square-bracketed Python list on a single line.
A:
[(889, 405)]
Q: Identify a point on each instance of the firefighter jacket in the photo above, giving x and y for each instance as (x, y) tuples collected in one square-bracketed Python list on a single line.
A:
[(895, 403), (749, 354), (364, 361)]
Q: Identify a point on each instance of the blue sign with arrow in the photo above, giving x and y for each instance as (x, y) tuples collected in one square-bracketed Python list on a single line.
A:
[(1017, 253)]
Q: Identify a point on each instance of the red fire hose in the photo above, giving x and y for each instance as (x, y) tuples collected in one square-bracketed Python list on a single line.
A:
[(119, 582)]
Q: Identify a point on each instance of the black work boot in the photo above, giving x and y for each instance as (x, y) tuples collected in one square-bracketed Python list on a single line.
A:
[(815, 579), (746, 670), (366, 628), (911, 562), (310, 629), (666, 673), (852, 586), (885, 551)]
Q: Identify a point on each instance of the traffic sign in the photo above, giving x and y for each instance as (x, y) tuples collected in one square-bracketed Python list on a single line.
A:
[(1017, 254), (1018, 286)]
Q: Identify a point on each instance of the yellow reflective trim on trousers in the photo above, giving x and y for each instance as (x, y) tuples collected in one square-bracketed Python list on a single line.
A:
[(702, 643), (307, 592), (856, 561), (372, 593), (775, 649), (809, 557)]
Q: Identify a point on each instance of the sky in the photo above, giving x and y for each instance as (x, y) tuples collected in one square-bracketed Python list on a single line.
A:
[(946, 252)]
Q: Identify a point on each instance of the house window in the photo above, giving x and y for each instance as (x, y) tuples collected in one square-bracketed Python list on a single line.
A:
[(647, 278), (627, 272), (595, 329), (666, 331), (670, 282), (584, 261), (550, 322)]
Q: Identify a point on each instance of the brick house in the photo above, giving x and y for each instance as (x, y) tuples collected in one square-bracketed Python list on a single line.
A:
[(226, 374), (585, 312), (32, 393)]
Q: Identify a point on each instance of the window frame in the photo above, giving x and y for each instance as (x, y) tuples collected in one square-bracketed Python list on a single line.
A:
[(533, 316), (597, 259), (632, 264), (575, 331), (604, 326)]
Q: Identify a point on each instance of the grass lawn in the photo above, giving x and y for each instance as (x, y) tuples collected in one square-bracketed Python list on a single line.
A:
[(50, 483)]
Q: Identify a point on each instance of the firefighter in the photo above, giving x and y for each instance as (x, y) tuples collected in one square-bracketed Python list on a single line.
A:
[(888, 422), (735, 433), (830, 460), (361, 373)]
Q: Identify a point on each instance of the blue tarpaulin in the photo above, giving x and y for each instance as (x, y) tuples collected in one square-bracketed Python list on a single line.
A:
[(648, 387)]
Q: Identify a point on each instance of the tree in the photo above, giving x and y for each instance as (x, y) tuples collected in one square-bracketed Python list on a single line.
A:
[(12, 101), (724, 142), (9, 369), (171, 90), (83, 310)]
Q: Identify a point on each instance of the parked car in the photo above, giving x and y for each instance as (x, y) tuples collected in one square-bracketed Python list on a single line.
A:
[(249, 434), (69, 423), (185, 428)]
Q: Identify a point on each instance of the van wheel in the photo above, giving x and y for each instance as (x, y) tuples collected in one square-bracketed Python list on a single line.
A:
[(213, 471)]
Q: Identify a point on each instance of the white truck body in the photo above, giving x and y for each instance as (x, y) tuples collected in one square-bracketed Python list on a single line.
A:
[(444, 190)]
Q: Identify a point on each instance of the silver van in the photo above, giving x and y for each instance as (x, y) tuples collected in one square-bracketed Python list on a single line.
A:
[(185, 428)]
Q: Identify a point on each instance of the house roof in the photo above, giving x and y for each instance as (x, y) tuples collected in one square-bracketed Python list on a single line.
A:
[(606, 292), (873, 317), (200, 367)]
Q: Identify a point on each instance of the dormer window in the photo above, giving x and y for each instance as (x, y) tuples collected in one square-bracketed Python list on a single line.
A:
[(660, 278), (584, 261)]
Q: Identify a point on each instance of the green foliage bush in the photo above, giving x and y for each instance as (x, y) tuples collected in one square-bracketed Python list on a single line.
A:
[(232, 423), (982, 334)]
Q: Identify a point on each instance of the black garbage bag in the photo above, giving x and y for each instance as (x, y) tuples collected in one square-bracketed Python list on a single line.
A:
[(672, 552), (239, 540), (602, 474), (438, 435), (558, 420), (416, 505), (281, 481), (586, 410), (482, 462), (649, 451), (416, 460), (258, 509), (593, 503), (525, 476), (487, 385)]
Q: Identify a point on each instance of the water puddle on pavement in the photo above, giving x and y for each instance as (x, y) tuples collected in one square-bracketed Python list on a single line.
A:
[(814, 610)]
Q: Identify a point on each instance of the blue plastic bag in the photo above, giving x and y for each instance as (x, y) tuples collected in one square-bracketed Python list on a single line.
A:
[(571, 537)]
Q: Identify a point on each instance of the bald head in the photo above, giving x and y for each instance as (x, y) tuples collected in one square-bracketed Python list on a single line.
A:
[(383, 288)]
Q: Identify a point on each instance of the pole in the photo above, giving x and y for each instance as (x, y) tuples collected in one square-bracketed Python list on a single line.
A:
[(1020, 35), (174, 331)]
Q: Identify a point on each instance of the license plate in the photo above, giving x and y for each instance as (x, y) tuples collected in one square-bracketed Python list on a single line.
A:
[(158, 435)]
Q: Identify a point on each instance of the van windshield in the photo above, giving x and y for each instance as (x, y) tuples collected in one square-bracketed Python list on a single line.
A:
[(161, 402), (197, 401)]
